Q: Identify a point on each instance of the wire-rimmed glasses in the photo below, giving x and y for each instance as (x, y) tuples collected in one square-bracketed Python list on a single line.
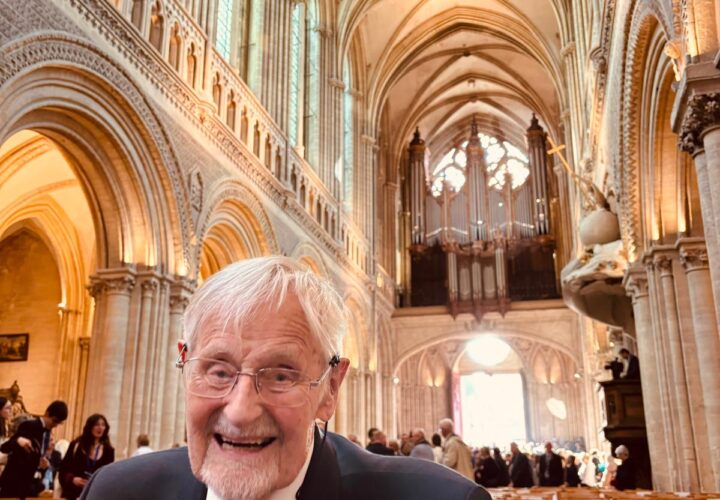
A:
[(213, 378)]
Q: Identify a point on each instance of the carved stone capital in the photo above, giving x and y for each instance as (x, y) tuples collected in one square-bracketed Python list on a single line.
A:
[(694, 257), (180, 292), (149, 286), (703, 112), (121, 281), (636, 283), (663, 263)]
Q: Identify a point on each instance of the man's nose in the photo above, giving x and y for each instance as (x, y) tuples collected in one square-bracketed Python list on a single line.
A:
[(243, 404)]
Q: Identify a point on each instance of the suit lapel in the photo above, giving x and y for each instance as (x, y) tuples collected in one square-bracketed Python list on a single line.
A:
[(322, 480)]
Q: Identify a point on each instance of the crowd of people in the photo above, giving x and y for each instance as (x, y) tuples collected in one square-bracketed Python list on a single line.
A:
[(33, 464), (492, 468)]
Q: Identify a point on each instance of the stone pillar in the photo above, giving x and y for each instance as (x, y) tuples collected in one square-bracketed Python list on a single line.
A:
[(700, 136), (636, 285), (677, 382), (694, 257), (172, 429), (111, 289)]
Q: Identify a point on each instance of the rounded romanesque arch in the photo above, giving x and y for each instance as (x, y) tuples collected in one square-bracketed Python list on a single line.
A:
[(67, 90), (234, 227), (647, 37), (61, 93), (309, 255)]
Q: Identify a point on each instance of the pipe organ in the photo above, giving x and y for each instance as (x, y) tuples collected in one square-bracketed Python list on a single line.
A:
[(481, 231)]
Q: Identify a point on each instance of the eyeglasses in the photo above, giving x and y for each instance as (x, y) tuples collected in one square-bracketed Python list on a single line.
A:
[(212, 378)]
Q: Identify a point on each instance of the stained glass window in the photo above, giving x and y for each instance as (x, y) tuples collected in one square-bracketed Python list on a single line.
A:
[(501, 157), (295, 67), (224, 31)]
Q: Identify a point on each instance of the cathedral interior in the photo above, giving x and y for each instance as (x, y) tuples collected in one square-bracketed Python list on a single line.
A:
[(505, 193)]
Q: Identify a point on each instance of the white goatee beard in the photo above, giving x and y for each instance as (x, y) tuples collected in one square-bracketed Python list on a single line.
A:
[(253, 479)]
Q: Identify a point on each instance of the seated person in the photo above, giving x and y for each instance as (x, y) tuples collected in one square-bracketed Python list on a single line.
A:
[(261, 365)]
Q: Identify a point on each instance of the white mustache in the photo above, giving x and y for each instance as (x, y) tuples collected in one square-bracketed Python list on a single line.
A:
[(258, 429)]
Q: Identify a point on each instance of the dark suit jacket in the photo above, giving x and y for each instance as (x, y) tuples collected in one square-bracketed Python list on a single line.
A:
[(16, 479), (380, 449), (520, 472), (555, 470), (625, 476), (633, 368), (339, 470)]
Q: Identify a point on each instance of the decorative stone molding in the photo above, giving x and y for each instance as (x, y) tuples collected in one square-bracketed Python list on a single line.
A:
[(663, 263), (636, 285), (703, 112), (120, 281), (84, 343), (149, 287), (693, 256)]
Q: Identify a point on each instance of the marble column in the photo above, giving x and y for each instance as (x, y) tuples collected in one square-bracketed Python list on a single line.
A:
[(677, 382), (111, 289), (636, 285), (694, 257)]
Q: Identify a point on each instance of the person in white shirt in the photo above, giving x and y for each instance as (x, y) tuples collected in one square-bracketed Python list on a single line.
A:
[(143, 442)]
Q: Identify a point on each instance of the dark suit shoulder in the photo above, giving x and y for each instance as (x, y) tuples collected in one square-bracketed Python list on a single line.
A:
[(366, 475), (159, 475)]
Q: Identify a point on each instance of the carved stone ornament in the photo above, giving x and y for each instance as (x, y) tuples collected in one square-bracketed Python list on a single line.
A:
[(663, 263), (703, 111), (694, 258), (636, 286), (111, 284)]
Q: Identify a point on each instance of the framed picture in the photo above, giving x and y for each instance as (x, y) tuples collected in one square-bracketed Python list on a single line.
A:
[(14, 347)]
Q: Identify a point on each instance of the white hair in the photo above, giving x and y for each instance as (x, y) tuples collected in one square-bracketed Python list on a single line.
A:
[(622, 450), (232, 295), (447, 422)]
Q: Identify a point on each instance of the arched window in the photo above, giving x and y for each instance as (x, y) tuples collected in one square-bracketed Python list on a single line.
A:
[(230, 111), (136, 17), (156, 26), (348, 153), (256, 140), (217, 91), (174, 48), (501, 157), (223, 33), (296, 43), (191, 65), (268, 153), (244, 126), (312, 85)]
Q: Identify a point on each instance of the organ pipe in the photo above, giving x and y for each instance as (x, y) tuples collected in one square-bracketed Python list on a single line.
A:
[(417, 188), (537, 155)]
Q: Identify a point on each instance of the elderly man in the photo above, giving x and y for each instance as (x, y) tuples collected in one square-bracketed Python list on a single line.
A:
[(625, 476), (456, 454), (261, 365), (421, 448)]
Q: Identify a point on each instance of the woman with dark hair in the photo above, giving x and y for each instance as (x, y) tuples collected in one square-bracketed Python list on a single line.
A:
[(85, 455)]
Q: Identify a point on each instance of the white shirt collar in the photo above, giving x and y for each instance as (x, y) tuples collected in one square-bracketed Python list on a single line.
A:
[(288, 492)]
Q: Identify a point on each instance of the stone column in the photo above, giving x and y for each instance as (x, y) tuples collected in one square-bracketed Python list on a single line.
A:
[(700, 136), (694, 257), (111, 289), (172, 429), (677, 382), (637, 288)]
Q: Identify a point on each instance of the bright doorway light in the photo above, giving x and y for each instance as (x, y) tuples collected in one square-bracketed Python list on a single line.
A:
[(492, 409), (488, 350)]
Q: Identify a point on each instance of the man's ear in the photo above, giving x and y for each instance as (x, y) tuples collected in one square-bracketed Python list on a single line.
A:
[(329, 400)]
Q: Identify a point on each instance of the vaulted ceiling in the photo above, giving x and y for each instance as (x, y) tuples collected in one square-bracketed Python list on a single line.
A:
[(435, 64)]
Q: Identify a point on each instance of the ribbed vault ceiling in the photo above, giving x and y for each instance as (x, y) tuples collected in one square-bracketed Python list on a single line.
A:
[(437, 63)]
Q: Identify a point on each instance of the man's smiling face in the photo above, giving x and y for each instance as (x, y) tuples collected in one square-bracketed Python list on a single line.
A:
[(239, 445)]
